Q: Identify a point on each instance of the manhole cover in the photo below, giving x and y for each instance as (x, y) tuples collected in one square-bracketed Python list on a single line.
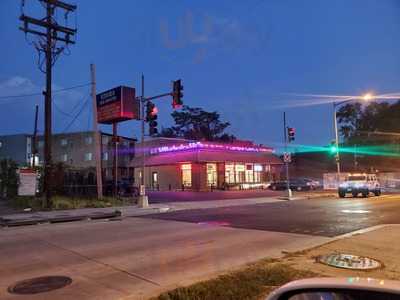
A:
[(39, 285), (349, 261)]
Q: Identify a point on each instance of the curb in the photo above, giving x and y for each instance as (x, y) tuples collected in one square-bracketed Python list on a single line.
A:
[(342, 236)]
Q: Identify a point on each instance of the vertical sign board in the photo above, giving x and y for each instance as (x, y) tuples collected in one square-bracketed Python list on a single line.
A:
[(27, 182), (117, 105)]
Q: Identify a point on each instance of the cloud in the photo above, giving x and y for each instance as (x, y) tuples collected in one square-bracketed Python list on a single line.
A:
[(17, 113), (208, 34), (18, 85)]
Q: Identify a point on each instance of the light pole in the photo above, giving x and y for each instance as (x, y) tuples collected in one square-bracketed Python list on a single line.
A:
[(365, 97)]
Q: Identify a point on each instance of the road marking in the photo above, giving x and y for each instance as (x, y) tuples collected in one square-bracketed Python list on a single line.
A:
[(355, 211)]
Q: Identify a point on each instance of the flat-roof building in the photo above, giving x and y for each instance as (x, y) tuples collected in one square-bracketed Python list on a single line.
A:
[(176, 164)]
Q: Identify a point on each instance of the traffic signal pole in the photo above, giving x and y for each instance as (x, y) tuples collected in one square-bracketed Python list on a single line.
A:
[(143, 199), (289, 195), (336, 141), (177, 95)]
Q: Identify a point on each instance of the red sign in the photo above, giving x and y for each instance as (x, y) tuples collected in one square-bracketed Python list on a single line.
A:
[(117, 105)]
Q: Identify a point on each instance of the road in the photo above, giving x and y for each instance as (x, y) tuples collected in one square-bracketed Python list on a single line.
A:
[(322, 217), (182, 196), (139, 257)]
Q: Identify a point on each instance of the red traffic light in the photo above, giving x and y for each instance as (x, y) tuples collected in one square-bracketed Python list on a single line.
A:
[(177, 94), (291, 133)]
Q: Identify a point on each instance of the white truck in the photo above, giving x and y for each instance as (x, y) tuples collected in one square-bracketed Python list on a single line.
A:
[(363, 184)]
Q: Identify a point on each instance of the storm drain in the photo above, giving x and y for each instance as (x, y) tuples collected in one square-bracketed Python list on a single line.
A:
[(39, 285), (349, 261)]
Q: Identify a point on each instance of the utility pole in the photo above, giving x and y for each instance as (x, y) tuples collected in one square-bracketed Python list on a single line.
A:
[(49, 32), (34, 148), (97, 143), (115, 158), (143, 199), (47, 43)]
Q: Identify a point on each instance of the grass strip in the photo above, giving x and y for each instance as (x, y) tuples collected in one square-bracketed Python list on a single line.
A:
[(252, 282)]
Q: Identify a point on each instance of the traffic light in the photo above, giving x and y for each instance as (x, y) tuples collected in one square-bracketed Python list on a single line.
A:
[(291, 132), (151, 117), (333, 148), (177, 94)]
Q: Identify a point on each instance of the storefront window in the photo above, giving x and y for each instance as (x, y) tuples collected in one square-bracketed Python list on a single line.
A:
[(212, 174), (240, 173), (229, 173), (257, 172), (186, 175), (249, 173)]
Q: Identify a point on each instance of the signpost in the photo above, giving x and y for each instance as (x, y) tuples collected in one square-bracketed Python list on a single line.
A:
[(286, 157), (117, 105), (27, 182), (113, 106)]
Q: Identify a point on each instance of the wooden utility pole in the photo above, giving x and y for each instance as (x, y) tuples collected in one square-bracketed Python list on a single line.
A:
[(115, 157), (96, 133), (49, 32)]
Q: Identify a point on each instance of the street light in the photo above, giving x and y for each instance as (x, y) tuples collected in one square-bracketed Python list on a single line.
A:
[(366, 97)]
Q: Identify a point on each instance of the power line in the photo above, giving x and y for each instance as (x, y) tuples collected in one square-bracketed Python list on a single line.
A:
[(76, 116), (69, 114), (41, 94)]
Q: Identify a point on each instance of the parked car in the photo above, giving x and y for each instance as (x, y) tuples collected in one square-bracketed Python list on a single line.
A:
[(315, 184), (125, 188), (299, 184), (360, 183)]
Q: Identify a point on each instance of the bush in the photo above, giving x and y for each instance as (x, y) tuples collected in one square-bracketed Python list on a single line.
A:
[(8, 178)]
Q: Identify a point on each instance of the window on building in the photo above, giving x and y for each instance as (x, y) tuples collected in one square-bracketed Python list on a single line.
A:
[(257, 172), (88, 140), (240, 172), (88, 156), (249, 175), (64, 142), (212, 174), (105, 156), (105, 140), (41, 144), (64, 157), (154, 180), (229, 173), (186, 175)]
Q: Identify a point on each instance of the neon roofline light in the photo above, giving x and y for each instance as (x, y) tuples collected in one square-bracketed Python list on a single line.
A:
[(210, 146)]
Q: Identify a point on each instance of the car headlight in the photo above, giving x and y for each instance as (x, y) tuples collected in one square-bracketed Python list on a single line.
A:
[(343, 185)]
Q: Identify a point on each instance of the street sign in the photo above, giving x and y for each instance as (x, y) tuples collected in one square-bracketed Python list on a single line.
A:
[(27, 182), (117, 105), (286, 157)]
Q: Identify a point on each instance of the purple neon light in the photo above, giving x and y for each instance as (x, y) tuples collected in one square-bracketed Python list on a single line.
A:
[(201, 145)]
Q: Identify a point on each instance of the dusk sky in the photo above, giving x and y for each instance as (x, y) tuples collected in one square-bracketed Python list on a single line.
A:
[(243, 59)]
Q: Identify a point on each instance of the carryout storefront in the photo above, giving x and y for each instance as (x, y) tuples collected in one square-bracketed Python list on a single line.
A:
[(177, 164)]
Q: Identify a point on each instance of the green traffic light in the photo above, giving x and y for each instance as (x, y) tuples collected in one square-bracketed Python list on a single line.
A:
[(333, 149)]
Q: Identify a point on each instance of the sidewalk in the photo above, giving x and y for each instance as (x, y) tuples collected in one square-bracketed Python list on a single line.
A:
[(380, 243), (255, 281)]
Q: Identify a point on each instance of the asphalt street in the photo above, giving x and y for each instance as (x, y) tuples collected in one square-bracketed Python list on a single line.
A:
[(327, 217)]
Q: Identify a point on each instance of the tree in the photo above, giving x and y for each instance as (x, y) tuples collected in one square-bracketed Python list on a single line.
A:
[(358, 123), (8, 178), (195, 123)]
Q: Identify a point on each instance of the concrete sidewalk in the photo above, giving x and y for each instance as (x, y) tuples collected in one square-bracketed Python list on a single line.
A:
[(380, 243), (134, 258)]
